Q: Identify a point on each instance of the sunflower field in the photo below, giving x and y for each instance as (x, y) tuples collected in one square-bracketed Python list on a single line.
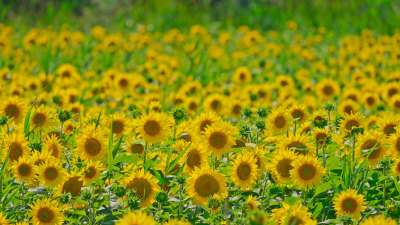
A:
[(199, 112)]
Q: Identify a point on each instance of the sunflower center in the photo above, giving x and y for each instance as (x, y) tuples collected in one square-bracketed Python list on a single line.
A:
[(54, 150), (397, 104), (352, 123), (152, 127), (398, 144), (370, 144), (192, 106), (348, 109), (307, 172), (284, 166), (73, 186), (370, 101), (194, 159), (349, 205), (206, 185), (242, 76), (141, 186), (24, 169), (45, 215), (390, 129), (244, 171), (392, 92), (215, 105), (205, 124), (294, 220), (321, 138), (236, 109), (123, 83), (51, 173), (66, 74), (92, 146), (15, 151), (12, 110), (90, 172), (38, 119), (298, 114), (137, 148), (218, 140), (328, 90), (280, 122), (118, 127)]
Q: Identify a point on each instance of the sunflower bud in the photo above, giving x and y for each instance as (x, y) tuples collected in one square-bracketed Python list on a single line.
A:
[(161, 196), (260, 125), (247, 112), (64, 198), (181, 179), (179, 114), (3, 120), (64, 115), (119, 191), (133, 203), (262, 112), (86, 195)]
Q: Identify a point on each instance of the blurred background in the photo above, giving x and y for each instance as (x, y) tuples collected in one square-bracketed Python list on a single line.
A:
[(341, 16)]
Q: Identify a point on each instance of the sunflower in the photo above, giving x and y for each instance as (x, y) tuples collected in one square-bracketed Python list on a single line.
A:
[(191, 104), (378, 220), (3, 219), (155, 127), (139, 218), (307, 171), (259, 154), (327, 88), (320, 136), (144, 184), (204, 183), (388, 123), (370, 100), (219, 138), (16, 145), (371, 123), (244, 171), (180, 145), (242, 75), (51, 174), (396, 167), (91, 172), (279, 120), (13, 107), (349, 202), (119, 123), (295, 214), (72, 184), (348, 107), (394, 141), (204, 120), (298, 143), (41, 117), (252, 203), (351, 122), (215, 103), (372, 142), (53, 145), (214, 204), (134, 146), (298, 113), (195, 157), (46, 212), (281, 164), (24, 168), (92, 144)]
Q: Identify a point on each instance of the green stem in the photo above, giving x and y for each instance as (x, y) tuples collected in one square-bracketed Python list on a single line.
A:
[(305, 196), (384, 186)]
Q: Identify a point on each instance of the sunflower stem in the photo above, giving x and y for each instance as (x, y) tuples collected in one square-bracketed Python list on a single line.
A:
[(180, 199), (384, 186), (323, 156), (305, 196)]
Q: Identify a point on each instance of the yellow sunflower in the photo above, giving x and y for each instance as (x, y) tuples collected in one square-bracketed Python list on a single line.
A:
[(215, 103), (204, 183), (72, 184), (328, 88), (307, 171), (92, 144), (396, 167), (349, 202), (13, 107), (16, 144), (244, 171), (119, 123), (281, 164), (298, 143), (279, 120), (295, 214), (144, 184), (46, 212), (155, 127), (195, 157), (298, 113), (388, 123), (91, 172), (204, 120), (139, 218), (51, 174), (370, 100), (3, 219), (348, 107), (24, 168), (320, 136), (378, 220), (259, 154), (41, 117), (53, 145), (219, 138), (351, 122), (372, 143), (134, 146), (242, 75), (252, 203)]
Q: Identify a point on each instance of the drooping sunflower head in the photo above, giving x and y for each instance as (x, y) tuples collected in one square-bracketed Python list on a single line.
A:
[(279, 120), (204, 183), (24, 168), (144, 184), (281, 164), (138, 217), (155, 127), (244, 171), (219, 138), (46, 211), (53, 145), (307, 171), (349, 202)]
